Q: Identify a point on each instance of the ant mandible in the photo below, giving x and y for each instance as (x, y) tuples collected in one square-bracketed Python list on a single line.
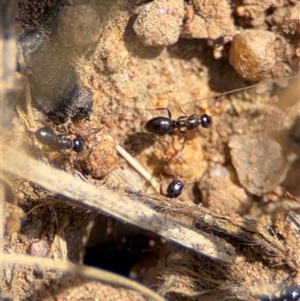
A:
[(164, 125)]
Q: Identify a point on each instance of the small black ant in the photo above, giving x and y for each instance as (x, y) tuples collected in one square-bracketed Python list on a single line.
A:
[(48, 137), (164, 125), (174, 189), (291, 294)]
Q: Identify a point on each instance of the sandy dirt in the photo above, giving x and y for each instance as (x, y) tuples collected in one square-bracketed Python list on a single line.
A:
[(98, 71)]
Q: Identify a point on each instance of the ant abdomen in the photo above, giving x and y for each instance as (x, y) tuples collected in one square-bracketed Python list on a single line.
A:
[(160, 125), (47, 137), (291, 293)]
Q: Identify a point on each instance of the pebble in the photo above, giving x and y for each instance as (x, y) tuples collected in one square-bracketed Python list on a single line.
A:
[(252, 54), (39, 248), (102, 159), (158, 23), (258, 161)]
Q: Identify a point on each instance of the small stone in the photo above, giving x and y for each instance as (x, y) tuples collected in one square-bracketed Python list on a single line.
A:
[(258, 161), (101, 160), (39, 248), (158, 23), (252, 54)]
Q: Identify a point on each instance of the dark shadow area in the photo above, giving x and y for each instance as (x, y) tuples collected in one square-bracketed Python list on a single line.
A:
[(197, 194), (292, 180), (295, 131), (223, 77), (122, 249), (107, 257), (138, 142)]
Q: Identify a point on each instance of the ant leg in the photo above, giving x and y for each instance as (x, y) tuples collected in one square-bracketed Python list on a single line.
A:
[(169, 113), (175, 157), (181, 117), (28, 97)]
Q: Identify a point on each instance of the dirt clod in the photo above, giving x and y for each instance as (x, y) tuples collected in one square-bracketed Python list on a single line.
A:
[(158, 23), (102, 159), (288, 20), (13, 218), (258, 162), (208, 19), (252, 54)]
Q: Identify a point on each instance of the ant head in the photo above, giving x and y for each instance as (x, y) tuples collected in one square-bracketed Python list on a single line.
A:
[(77, 145), (206, 120)]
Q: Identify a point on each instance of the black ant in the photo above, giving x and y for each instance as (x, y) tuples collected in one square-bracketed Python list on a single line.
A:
[(48, 137), (164, 125), (291, 294), (174, 189)]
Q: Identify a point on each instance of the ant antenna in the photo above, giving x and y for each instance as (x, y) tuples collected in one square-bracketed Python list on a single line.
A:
[(232, 91)]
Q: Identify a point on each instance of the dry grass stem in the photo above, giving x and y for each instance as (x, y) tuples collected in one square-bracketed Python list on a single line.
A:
[(117, 205), (80, 270)]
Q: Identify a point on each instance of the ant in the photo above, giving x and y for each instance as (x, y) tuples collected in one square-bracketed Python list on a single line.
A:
[(48, 137), (164, 125), (291, 294), (174, 189)]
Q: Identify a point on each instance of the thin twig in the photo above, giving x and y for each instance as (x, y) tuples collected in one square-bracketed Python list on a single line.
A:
[(138, 167)]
